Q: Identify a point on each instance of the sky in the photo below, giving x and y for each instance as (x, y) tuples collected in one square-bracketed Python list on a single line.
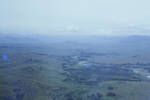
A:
[(73, 16)]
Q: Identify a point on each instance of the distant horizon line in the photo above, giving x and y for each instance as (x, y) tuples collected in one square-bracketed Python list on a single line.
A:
[(93, 35)]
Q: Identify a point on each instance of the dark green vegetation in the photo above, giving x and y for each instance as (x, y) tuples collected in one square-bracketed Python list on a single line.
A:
[(88, 68)]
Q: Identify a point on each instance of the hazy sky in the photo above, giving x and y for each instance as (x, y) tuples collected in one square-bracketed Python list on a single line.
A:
[(87, 16)]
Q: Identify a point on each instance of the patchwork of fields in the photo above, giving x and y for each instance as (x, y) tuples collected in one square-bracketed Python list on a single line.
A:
[(110, 69)]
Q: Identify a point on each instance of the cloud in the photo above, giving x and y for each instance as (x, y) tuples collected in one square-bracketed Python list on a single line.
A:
[(72, 28)]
